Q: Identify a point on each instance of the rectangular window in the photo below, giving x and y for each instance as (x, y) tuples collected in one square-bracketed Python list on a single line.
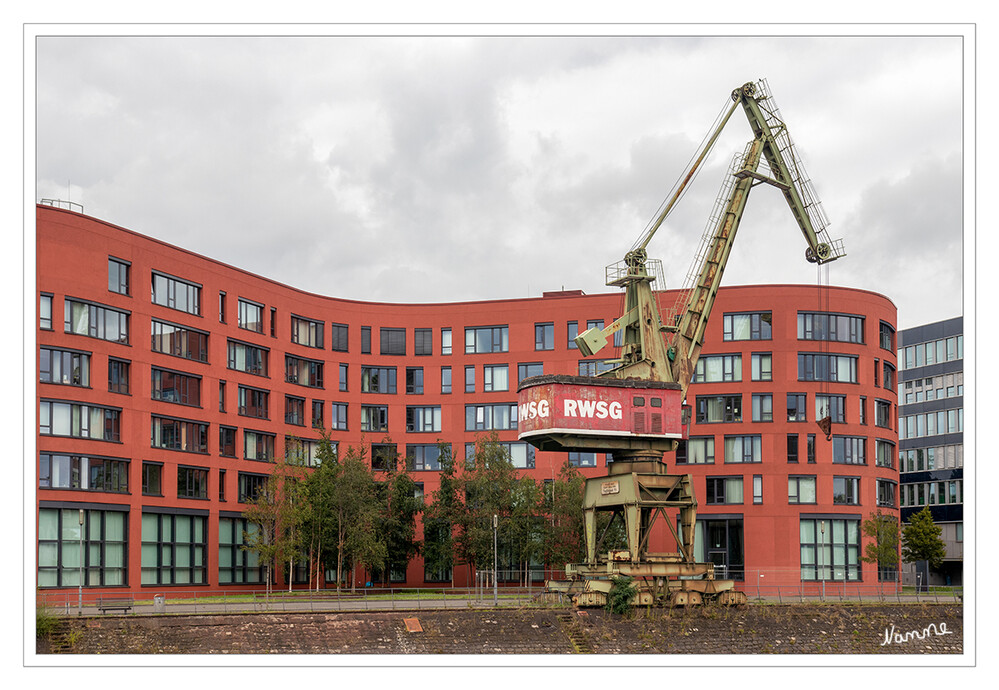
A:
[(823, 367), (583, 459), (423, 418), (751, 326), (573, 331), (696, 451), (719, 408), (384, 457), (495, 377), (423, 457), (273, 322), (176, 294), (393, 341), (365, 340), (469, 379), (247, 358), (810, 448), (423, 341), (378, 380), (103, 537), (887, 334), (846, 491), (414, 380), (238, 565), (96, 321), (842, 328), (445, 341), (486, 339), (303, 372), (84, 473), (253, 402), (723, 490), (744, 448), (717, 368), (307, 332), (227, 441), (152, 479), (250, 486), (338, 413), (544, 336), (222, 310), (888, 378), (250, 316), (118, 375), (222, 396), (301, 451), (343, 378), (521, 454), (78, 420), (374, 418), (45, 312), (832, 406), (886, 493), (339, 333), (318, 421), (118, 274), (174, 549), (502, 416), (763, 407), (192, 482), (882, 414), (258, 445), (849, 450), (595, 367), (179, 341), (762, 364), (175, 387), (528, 369), (796, 407), (800, 489), (830, 549), (885, 452), (66, 367), (294, 410), (757, 489), (792, 447), (179, 434), (445, 379)]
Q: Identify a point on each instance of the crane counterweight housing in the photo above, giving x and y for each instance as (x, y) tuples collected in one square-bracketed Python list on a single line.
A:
[(636, 410)]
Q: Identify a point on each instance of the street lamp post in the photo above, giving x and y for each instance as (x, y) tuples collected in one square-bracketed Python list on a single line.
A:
[(495, 590), (822, 547), (79, 603)]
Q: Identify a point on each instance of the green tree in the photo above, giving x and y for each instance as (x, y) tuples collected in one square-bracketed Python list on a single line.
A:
[(399, 507), (274, 514), (883, 531), (564, 538), (355, 514), (921, 540), (318, 524), (488, 482), (442, 517)]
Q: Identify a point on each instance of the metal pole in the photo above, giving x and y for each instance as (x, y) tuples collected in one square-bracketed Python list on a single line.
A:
[(79, 610), (495, 590), (822, 547)]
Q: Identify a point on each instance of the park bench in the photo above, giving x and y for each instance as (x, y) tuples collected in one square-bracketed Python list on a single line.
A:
[(105, 604)]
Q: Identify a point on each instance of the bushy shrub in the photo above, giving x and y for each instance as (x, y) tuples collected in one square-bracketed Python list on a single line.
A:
[(622, 591)]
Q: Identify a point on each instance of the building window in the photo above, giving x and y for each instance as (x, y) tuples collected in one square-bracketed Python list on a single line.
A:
[(573, 331), (179, 434), (247, 358), (303, 372), (743, 449), (83, 473), (423, 457), (414, 380), (696, 451), (502, 416), (192, 482), (832, 406), (595, 367), (583, 459), (258, 446), (374, 418), (152, 479), (486, 339), (469, 379), (723, 490), (762, 366), (338, 413), (176, 294), (66, 367), (221, 396), (888, 378), (250, 316), (253, 402), (222, 306), (179, 341), (544, 336), (174, 549), (495, 377), (882, 414), (849, 450), (521, 454), (118, 375), (378, 380), (823, 367), (77, 420), (445, 379), (227, 441), (96, 321), (757, 489), (719, 408), (792, 447), (718, 368), (423, 341), (343, 378), (842, 328), (752, 326), (830, 549), (810, 449), (886, 493), (445, 341), (318, 421), (528, 369), (423, 418), (885, 453), (175, 387), (339, 333), (301, 451), (796, 407), (846, 491), (101, 541), (45, 312), (383, 457), (250, 486), (365, 340), (800, 489), (118, 274), (237, 564), (294, 410), (763, 407), (887, 334), (393, 341)]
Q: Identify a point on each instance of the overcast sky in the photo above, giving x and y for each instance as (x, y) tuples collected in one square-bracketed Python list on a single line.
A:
[(422, 169)]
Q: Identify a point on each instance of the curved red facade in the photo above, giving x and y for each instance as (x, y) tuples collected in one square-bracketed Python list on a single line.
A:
[(167, 381)]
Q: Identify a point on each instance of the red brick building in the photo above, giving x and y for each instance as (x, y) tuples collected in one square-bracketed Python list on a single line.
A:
[(168, 383)]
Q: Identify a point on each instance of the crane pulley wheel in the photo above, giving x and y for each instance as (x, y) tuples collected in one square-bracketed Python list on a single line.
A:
[(821, 253), (748, 90)]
